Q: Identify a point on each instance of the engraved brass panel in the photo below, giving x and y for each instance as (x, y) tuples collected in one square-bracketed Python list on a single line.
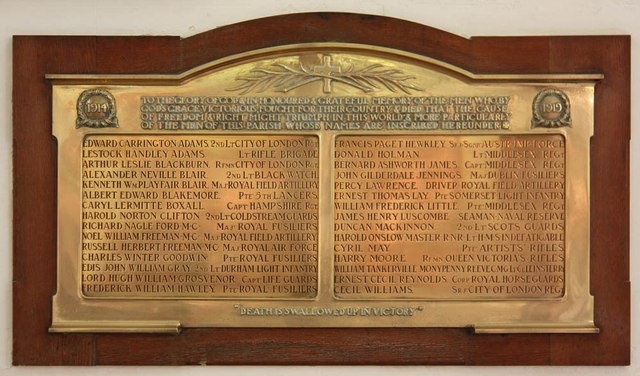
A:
[(323, 185), (200, 216), (449, 217)]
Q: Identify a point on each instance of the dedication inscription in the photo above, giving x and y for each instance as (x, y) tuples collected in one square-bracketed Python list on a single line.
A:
[(323, 185)]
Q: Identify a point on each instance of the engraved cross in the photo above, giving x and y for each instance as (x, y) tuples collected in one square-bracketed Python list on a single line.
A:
[(326, 69)]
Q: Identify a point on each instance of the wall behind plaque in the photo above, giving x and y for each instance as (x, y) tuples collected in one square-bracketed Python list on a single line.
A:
[(170, 17)]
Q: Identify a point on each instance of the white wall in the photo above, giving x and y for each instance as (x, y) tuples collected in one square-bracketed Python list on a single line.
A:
[(188, 17)]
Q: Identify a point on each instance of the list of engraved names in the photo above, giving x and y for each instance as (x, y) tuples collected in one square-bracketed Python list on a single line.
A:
[(449, 216), (200, 216)]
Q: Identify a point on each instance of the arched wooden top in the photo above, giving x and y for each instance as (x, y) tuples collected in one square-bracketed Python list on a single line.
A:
[(35, 176)]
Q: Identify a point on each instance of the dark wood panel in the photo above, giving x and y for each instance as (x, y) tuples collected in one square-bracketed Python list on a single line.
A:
[(138, 55), (35, 182), (289, 346), (34, 198), (610, 198)]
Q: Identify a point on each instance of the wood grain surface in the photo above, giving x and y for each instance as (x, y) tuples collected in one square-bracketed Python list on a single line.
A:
[(34, 219)]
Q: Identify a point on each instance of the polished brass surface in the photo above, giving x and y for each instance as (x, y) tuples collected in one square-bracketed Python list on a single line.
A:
[(320, 185), (200, 216), (449, 217)]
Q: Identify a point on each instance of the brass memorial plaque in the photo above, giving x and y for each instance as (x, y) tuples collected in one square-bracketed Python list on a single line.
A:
[(323, 185)]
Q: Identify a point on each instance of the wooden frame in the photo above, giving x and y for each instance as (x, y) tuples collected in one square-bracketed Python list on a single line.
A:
[(35, 199)]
